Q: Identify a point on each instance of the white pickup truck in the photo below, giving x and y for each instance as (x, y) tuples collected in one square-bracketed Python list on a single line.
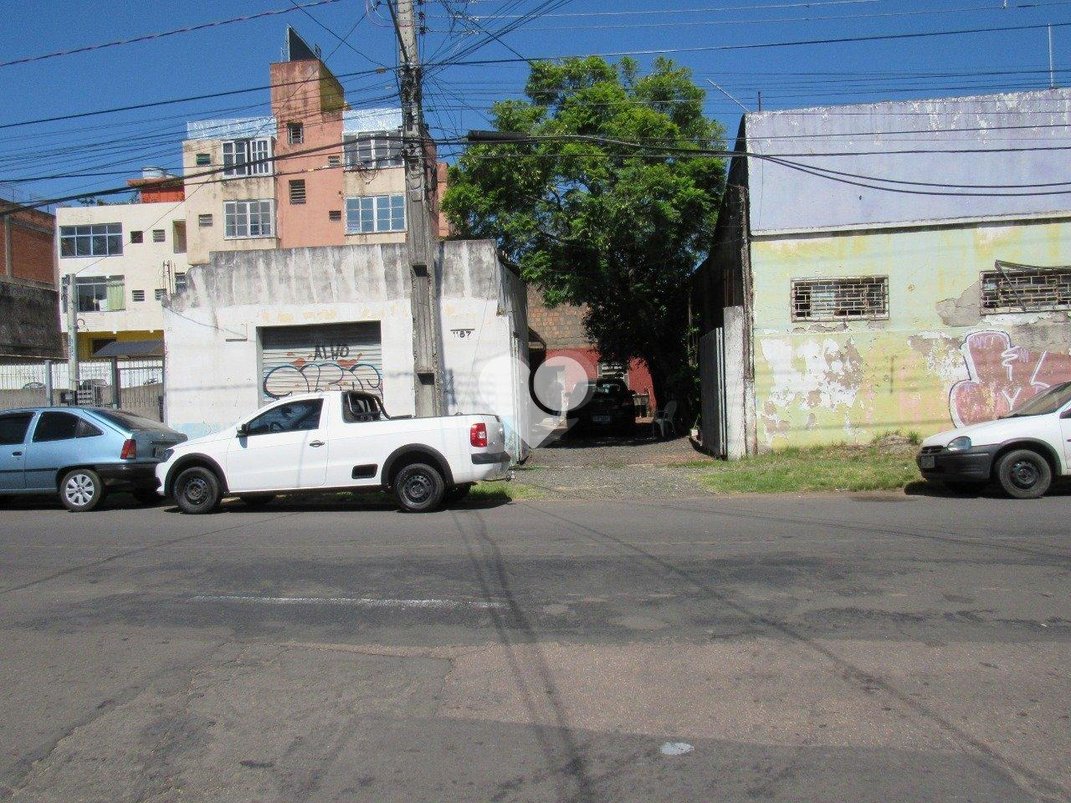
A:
[(337, 440)]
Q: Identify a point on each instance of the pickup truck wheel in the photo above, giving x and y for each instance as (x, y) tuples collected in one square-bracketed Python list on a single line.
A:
[(419, 488), (81, 489), (197, 490), (1024, 474)]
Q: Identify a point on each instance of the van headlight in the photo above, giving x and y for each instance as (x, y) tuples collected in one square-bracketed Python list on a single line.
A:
[(960, 444)]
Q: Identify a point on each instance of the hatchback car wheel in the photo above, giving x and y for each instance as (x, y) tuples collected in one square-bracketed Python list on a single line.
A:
[(1024, 474), (81, 489), (197, 490)]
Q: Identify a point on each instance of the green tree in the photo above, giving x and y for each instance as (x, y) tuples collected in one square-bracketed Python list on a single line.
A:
[(600, 189)]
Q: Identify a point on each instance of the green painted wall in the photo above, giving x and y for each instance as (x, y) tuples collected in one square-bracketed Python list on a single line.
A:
[(935, 362)]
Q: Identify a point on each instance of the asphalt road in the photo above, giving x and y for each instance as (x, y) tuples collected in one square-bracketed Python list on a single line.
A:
[(852, 647)]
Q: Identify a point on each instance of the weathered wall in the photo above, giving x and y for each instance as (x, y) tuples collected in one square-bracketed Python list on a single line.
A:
[(211, 331), (936, 361), (29, 321), (26, 245)]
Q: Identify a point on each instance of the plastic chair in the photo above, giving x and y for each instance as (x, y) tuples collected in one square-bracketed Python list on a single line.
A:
[(663, 420)]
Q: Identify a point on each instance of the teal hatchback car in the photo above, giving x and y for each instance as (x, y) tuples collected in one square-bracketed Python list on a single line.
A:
[(80, 453)]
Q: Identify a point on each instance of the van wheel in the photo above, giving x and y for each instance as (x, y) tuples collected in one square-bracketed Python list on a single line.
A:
[(1024, 474), (419, 488), (81, 489), (197, 490)]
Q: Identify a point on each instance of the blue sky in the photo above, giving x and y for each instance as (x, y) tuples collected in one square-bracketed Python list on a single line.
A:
[(793, 53)]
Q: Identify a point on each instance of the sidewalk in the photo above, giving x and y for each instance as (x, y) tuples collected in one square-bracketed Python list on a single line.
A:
[(639, 467)]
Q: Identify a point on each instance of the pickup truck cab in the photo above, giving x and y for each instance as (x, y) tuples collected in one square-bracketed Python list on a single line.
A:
[(1023, 451), (335, 440)]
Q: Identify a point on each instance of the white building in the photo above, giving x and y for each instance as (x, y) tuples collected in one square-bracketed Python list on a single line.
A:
[(125, 259), (255, 326)]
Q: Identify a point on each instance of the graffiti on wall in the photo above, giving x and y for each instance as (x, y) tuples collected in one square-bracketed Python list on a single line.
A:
[(301, 376), (1001, 377)]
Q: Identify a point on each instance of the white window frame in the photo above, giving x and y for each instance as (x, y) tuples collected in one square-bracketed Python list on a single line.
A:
[(374, 214), (247, 157), (91, 240), (244, 220), (373, 150), (100, 293)]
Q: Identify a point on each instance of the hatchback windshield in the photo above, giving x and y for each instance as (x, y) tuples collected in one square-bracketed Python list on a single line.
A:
[(1046, 402)]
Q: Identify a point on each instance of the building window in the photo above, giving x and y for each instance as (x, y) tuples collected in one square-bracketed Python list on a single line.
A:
[(96, 240), (248, 219), (295, 133), (158, 235), (159, 293), (1024, 288), (137, 295), (297, 191), (334, 214), (373, 151), (180, 282), (137, 237), (247, 157), (375, 213), (334, 160), (100, 294), (203, 159), (840, 299), (204, 221)]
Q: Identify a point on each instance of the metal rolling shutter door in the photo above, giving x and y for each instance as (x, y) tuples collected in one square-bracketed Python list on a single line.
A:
[(297, 359)]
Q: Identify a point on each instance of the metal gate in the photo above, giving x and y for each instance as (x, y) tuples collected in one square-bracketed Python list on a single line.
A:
[(714, 422), (298, 359)]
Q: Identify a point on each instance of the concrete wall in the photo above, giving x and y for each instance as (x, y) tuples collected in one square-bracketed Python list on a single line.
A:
[(29, 321), (211, 331), (936, 361)]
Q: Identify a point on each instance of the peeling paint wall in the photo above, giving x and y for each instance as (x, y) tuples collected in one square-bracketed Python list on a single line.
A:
[(935, 362)]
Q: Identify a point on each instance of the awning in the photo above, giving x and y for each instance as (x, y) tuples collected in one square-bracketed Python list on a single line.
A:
[(132, 348)]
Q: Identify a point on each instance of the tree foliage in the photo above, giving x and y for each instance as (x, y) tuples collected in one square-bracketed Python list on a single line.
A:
[(604, 198)]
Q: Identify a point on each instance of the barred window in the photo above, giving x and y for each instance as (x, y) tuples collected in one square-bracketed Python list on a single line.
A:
[(137, 295), (840, 299), (1023, 288), (158, 235), (204, 221)]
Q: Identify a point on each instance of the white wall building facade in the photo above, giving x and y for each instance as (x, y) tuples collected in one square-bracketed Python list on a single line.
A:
[(256, 326)]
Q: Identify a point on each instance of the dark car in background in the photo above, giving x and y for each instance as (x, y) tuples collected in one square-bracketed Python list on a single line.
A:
[(81, 453), (608, 407)]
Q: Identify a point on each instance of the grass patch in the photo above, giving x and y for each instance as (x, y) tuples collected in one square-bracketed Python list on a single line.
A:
[(885, 465), (502, 491)]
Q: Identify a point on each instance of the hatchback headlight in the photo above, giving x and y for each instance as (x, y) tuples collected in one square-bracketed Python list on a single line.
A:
[(960, 444)]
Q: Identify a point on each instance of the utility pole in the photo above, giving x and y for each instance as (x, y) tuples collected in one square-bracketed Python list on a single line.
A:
[(420, 232), (72, 332)]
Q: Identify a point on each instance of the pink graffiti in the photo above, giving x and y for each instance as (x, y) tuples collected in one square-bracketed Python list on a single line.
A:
[(1002, 377)]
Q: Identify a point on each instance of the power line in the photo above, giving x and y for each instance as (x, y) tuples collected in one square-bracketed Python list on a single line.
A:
[(153, 36)]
